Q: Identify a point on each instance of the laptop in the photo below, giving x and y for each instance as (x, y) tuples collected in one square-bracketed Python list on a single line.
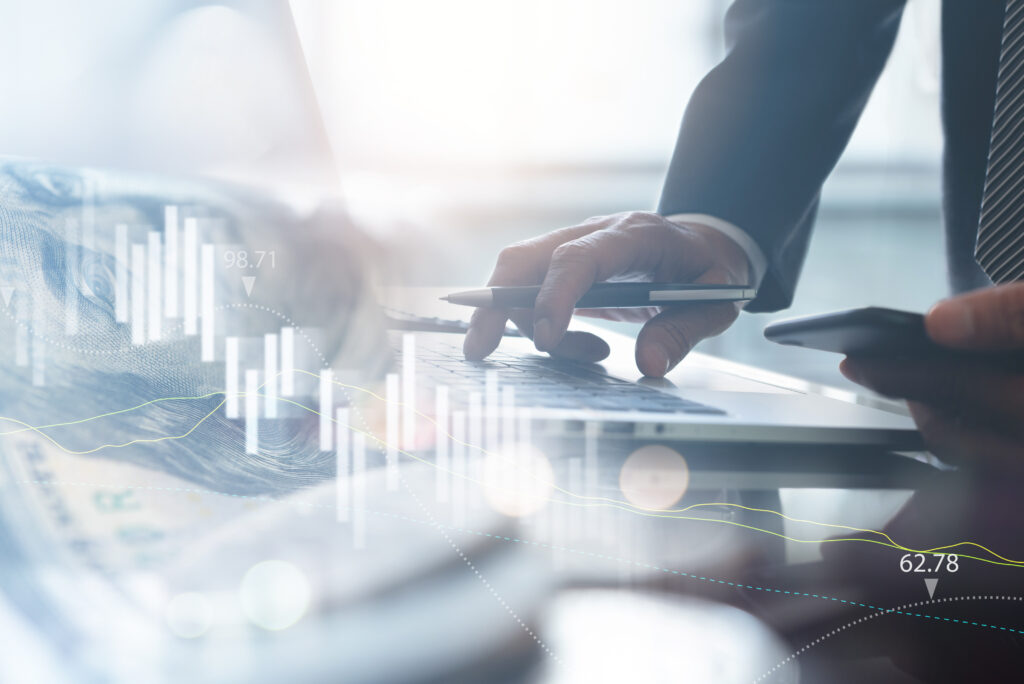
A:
[(704, 399)]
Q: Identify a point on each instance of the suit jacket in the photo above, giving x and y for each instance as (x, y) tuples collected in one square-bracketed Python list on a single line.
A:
[(766, 126)]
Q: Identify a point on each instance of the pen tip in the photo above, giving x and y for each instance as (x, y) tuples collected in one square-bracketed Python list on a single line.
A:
[(444, 299)]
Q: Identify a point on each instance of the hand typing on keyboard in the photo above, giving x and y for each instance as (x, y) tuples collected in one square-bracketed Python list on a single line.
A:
[(547, 383), (631, 245)]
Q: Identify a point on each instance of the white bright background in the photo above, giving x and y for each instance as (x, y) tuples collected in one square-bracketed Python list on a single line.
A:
[(460, 126), (463, 83)]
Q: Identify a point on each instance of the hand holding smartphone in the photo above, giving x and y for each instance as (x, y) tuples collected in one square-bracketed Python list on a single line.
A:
[(878, 332)]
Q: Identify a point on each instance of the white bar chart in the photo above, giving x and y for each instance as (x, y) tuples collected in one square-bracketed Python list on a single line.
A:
[(270, 373), (252, 411), (154, 281), (459, 470), (408, 391), (358, 490), (21, 331), (343, 479), (89, 215), (287, 361), (326, 406), (72, 257), (491, 410), (138, 294), (508, 417), (208, 324), (190, 277), (231, 377), (474, 458), (441, 444), (591, 431), (171, 261), (575, 484), (38, 347), (171, 276), (391, 398), (121, 273)]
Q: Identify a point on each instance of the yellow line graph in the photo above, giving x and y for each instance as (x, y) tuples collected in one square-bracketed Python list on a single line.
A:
[(670, 513), (588, 501)]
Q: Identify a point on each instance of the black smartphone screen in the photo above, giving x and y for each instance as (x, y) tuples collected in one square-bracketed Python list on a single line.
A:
[(878, 332), (871, 331)]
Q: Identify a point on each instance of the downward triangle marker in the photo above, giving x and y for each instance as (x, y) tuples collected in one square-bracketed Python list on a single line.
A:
[(930, 583), (248, 282), (7, 293)]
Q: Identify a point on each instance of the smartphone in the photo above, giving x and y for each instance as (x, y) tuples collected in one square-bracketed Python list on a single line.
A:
[(856, 332), (879, 332)]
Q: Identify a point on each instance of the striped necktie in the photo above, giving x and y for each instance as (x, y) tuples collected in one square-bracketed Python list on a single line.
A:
[(1000, 247)]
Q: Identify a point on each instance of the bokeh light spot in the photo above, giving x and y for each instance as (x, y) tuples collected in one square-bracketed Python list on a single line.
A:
[(274, 594), (189, 615), (654, 476), (518, 480)]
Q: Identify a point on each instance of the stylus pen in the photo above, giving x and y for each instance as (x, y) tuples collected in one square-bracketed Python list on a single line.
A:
[(607, 295)]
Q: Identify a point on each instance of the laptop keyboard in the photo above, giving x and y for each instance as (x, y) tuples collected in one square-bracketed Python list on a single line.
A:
[(544, 382)]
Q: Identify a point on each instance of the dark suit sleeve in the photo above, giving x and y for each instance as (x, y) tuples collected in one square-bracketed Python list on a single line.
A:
[(767, 125)]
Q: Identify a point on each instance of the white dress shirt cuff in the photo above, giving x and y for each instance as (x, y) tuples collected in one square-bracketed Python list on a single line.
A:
[(758, 263)]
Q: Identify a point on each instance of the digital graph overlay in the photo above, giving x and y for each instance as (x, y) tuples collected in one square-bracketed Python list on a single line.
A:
[(351, 453), (171, 276), (167, 284), (298, 504)]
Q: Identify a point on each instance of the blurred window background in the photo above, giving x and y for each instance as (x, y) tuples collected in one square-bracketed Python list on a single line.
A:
[(463, 125), (459, 126)]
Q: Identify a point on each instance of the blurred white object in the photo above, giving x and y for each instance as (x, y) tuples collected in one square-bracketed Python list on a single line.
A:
[(616, 636), (216, 89)]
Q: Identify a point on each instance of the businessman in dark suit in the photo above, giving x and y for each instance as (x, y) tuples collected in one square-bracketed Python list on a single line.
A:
[(761, 133)]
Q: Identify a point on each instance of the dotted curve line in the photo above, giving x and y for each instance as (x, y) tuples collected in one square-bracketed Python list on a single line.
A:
[(458, 550), (285, 318), (900, 610), (50, 342), (441, 528), (381, 448), (879, 610), (555, 547)]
